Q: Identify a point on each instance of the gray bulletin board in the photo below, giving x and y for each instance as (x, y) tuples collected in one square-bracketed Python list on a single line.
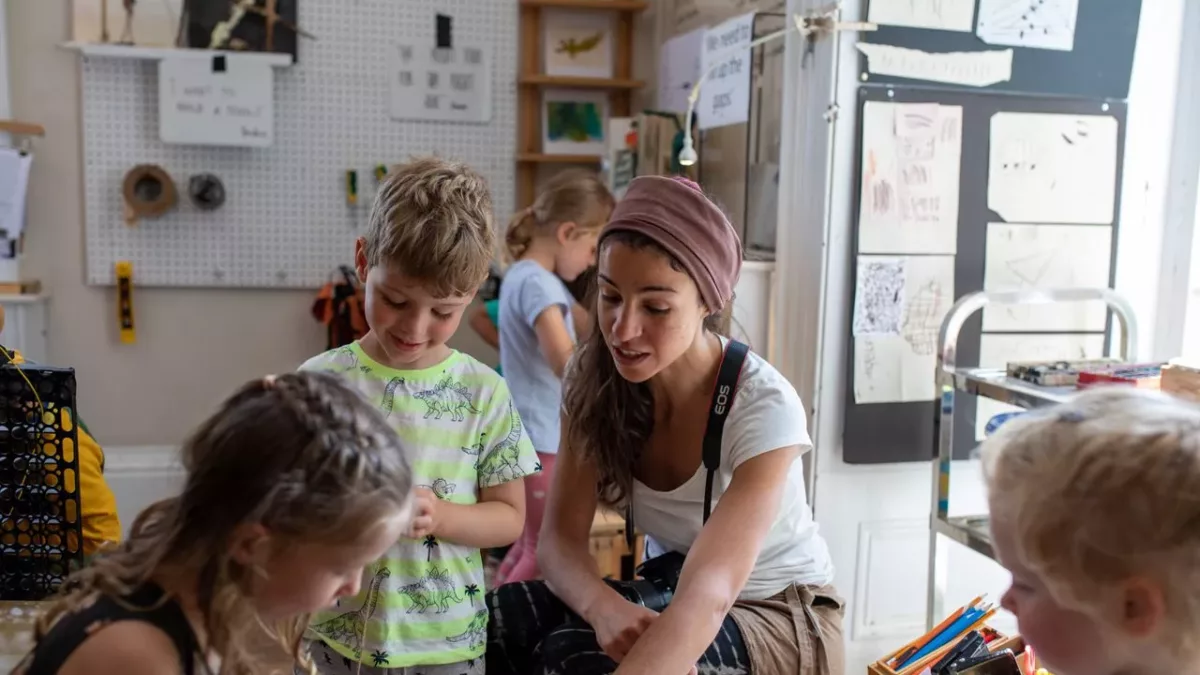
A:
[(877, 433), (1099, 65)]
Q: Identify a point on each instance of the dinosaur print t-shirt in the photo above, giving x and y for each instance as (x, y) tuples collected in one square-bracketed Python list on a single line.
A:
[(422, 604)]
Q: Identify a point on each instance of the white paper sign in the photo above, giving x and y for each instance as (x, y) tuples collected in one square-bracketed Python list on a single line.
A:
[(911, 157), (444, 85), (725, 95), (1051, 168), (678, 70), (970, 69), (1038, 24), (14, 186), (892, 368), (216, 100), (956, 15)]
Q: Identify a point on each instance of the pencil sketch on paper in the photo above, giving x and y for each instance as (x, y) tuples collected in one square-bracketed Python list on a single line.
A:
[(955, 15), (910, 175), (923, 318), (1023, 257), (879, 298), (1039, 24), (900, 366), (1052, 168)]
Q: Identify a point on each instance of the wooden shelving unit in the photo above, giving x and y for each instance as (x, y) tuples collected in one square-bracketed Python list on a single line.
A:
[(533, 81)]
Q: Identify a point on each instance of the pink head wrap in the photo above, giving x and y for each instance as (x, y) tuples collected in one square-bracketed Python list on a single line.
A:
[(675, 214)]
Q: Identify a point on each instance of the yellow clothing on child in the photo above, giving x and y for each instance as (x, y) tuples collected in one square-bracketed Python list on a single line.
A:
[(98, 506)]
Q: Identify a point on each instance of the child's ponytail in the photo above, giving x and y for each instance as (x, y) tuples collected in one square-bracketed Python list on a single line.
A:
[(520, 233), (576, 196)]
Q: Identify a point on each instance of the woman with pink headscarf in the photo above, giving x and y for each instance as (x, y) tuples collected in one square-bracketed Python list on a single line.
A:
[(699, 443)]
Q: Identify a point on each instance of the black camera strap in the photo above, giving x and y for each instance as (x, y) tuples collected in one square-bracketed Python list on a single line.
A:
[(722, 401)]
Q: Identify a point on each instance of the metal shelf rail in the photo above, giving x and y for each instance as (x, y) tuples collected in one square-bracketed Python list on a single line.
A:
[(974, 531)]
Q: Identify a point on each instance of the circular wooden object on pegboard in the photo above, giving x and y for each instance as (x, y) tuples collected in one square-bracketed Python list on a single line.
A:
[(148, 192)]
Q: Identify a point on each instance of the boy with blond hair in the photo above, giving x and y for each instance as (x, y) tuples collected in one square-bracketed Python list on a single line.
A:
[(426, 250)]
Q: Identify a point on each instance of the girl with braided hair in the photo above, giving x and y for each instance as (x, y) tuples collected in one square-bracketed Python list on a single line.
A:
[(293, 486)]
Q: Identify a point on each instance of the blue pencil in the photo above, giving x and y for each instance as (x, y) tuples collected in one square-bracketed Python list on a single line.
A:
[(942, 639)]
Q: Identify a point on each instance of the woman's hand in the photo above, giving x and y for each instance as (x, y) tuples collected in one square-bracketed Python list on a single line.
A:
[(618, 626)]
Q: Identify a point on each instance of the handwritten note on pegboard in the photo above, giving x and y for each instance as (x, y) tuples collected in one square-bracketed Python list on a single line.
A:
[(216, 100)]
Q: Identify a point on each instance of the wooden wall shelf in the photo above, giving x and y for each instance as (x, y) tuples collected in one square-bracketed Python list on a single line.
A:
[(539, 80), (615, 5), (620, 87), (542, 158)]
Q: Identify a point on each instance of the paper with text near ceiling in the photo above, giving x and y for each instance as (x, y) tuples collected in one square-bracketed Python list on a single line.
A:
[(1034, 24), (969, 69), (911, 159), (678, 70), (953, 15), (901, 367), (1053, 168), (725, 62)]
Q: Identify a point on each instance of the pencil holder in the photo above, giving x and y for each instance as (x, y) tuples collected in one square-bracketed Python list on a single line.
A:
[(998, 644)]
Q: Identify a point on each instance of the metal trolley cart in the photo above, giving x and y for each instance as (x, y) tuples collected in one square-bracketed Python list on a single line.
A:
[(992, 383)]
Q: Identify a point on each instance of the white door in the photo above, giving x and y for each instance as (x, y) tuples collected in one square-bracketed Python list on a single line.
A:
[(876, 518)]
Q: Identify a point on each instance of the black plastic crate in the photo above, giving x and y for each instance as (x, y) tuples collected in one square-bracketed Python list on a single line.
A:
[(41, 529)]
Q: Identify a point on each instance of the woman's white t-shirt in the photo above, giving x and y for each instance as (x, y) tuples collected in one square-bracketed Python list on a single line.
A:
[(766, 415)]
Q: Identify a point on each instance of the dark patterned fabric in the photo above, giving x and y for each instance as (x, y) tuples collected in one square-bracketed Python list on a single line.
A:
[(532, 632)]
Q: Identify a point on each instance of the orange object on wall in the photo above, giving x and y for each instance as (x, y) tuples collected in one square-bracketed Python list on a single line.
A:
[(339, 305)]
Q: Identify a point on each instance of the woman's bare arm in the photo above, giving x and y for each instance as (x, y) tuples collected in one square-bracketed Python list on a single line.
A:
[(563, 551), (716, 570)]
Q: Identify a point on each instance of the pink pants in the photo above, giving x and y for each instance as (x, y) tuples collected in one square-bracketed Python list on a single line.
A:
[(521, 562)]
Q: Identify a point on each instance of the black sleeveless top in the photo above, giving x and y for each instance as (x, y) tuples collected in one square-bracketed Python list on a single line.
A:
[(72, 628)]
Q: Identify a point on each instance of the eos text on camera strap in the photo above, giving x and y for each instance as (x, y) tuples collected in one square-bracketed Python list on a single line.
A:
[(722, 401)]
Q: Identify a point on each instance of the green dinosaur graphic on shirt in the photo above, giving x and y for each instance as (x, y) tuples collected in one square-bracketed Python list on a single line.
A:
[(389, 396), (436, 589), (502, 462), (348, 353), (349, 628), (476, 634), (447, 397)]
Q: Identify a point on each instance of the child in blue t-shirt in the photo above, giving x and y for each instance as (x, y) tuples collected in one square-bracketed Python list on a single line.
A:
[(553, 243)]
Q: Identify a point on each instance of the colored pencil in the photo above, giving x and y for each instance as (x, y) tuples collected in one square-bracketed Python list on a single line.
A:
[(911, 648), (961, 626)]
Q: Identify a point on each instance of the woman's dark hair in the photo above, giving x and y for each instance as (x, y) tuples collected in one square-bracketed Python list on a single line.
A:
[(301, 454), (608, 418)]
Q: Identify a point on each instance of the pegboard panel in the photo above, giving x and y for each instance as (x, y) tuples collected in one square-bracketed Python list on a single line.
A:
[(285, 222)]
